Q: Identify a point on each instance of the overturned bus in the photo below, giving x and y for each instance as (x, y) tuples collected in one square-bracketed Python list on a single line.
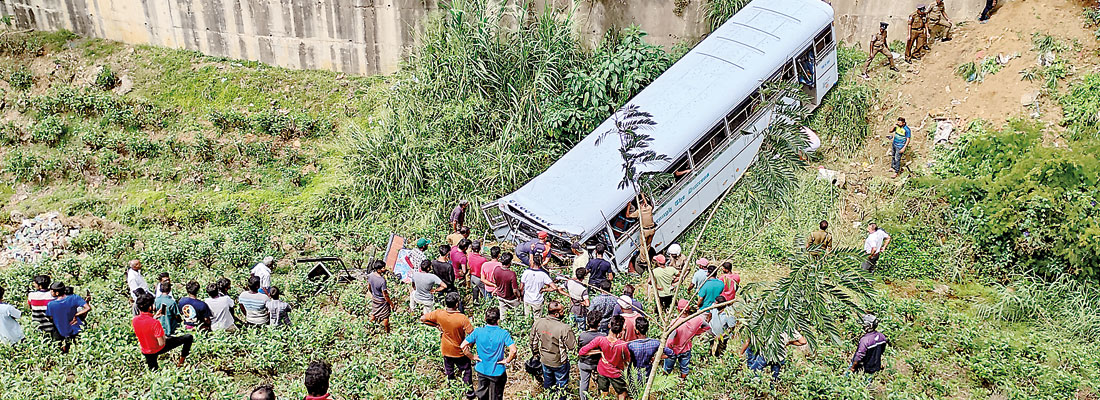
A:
[(709, 122)]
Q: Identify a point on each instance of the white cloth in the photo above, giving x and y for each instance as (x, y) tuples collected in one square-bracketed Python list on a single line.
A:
[(264, 273), (576, 290), (874, 241), (134, 280), (721, 322), (812, 141), (533, 282), (10, 331)]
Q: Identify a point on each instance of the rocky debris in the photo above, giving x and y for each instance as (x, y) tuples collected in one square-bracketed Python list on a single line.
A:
[(36, 239)]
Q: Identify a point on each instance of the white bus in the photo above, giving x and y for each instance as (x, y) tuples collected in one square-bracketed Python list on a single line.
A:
[(701, 104)]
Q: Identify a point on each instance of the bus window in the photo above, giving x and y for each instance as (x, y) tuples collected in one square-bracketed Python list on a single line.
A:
[(824, 41), (740, 114), (805, 66), (705, 146)]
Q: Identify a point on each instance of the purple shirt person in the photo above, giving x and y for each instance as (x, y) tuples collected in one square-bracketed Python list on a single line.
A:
[(458, 215), (868, 357)]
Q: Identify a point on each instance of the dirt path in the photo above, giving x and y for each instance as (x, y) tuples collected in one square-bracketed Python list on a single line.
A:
[(928, 88)]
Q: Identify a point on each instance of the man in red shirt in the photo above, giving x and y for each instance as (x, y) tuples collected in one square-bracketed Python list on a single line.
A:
[(679, 342), (613, 359), (507, 286), (151, 338), (475, 261)]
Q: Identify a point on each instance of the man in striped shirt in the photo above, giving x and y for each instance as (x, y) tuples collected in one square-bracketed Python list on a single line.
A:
[(38, 299), (254, 304)]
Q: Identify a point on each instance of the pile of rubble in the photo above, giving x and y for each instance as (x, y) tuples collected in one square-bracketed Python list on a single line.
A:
[(37, 239)]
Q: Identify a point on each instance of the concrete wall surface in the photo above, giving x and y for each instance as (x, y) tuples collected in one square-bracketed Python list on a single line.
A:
[(371, 36)]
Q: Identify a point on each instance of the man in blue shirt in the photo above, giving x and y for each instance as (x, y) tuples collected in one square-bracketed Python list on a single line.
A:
[(901, 134), (67, 311), (491, 341), (598, 268)]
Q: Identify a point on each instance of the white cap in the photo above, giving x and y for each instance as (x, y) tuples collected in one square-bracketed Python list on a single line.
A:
[(674, 250), (626, 302), (268, 260)]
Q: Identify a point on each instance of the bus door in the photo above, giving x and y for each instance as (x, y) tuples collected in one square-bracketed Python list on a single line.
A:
[(826, 71)]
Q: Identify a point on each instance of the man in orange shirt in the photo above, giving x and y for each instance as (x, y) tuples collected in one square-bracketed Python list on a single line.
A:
[(454, 326)]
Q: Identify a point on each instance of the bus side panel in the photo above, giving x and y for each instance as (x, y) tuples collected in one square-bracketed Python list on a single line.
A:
[(675, 216), (827, 75)]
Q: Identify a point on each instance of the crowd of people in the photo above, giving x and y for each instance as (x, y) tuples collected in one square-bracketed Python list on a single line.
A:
[(607, 334)]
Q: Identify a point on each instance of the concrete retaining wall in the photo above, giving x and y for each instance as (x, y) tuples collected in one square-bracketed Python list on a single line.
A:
[(370, 36)]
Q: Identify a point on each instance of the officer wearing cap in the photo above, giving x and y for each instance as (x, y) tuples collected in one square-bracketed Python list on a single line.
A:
[(918, 34), (939, 25), (879, 45)]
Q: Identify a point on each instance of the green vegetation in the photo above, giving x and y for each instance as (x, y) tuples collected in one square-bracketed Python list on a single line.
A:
[(976, 72), (717, 12), (843, 120)]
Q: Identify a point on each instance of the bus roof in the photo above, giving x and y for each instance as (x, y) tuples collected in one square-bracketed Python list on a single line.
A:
[(579, 192)]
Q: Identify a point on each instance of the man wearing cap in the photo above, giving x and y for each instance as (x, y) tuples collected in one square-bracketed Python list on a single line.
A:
[(700, 274), (626, 310), (872, 344), (939, 25), (458, 215), (538, 245), (67, 312), (879, 45), (416, 256), (263, 271), (918, 34), (664, 277), (580, 256), (675, 257)]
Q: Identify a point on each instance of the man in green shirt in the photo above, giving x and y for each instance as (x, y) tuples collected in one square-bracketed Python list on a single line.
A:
[(820, 240), (710, 290), (664, 277)]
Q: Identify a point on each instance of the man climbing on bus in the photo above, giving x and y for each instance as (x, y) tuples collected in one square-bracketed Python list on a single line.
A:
[(879, 45), (644, 214)]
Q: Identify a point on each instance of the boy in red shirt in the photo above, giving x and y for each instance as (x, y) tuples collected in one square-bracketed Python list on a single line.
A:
[(151, 338), (613, 359)]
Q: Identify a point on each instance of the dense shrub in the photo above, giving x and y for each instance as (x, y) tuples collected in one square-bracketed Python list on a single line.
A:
[(20, 78), (10, 133), (1032, 204), (48, 131), (27, 167), (843, 120), (1081, 108), (89, 240)]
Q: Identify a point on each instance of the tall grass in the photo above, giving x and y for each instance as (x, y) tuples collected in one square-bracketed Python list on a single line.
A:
[(843, 120), (717, 12), (477, 109), (1064, 302)]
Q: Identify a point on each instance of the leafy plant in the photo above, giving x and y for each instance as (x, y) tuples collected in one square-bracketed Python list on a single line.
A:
[(48, 131), (106, 79), (10, 133), (20, 78), (717, 12), (1081, 108), (88, 241)]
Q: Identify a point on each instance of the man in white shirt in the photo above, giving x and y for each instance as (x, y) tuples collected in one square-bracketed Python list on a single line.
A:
[(135, 281), (874, 245), (533, 283), (263, 271)]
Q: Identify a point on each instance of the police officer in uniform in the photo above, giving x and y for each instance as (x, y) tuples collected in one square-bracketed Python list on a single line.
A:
[(939, 25), (918, 34), (879, 45)]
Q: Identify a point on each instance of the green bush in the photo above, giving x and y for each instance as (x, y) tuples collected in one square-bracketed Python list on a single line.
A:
[(10, 133), (228, 120), (141, 146), (48, 131), (88, 241), (20, 78), (908, 257), (1081, 108), (27, 167), (106, 79), (1033, 205), (843, 120)]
